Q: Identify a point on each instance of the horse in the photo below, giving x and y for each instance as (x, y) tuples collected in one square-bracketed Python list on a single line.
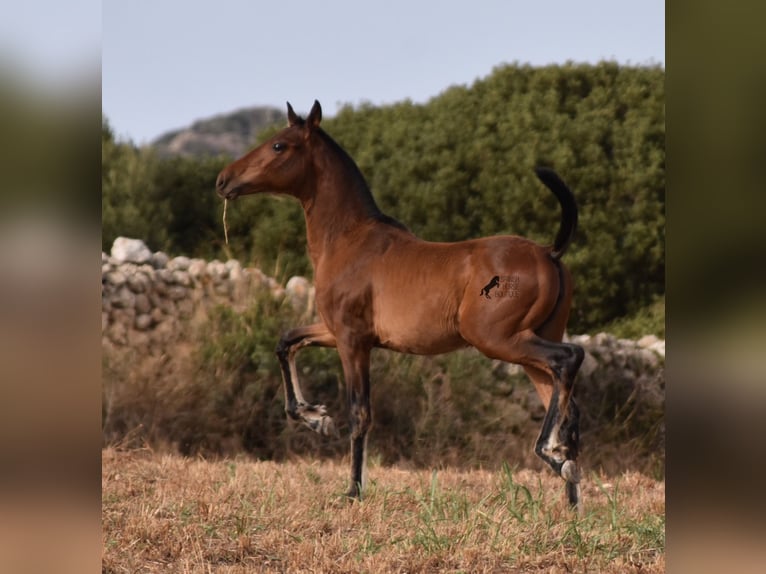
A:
[(365, 263)]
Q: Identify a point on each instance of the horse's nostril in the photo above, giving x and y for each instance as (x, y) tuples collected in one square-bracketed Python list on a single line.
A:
[(221, 181)]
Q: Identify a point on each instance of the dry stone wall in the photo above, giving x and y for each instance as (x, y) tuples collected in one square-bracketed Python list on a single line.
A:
[(147, 298)]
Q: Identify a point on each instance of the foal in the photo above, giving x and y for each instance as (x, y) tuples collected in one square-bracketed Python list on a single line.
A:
[(365, 263)]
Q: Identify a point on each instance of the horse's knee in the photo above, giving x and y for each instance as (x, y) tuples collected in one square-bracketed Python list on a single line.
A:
[(282, 349), (361, 420)]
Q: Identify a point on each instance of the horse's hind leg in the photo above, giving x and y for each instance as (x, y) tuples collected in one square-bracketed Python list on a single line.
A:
[(561, 423), (552, 366), (560, 430), (314, 417), (559, 439)]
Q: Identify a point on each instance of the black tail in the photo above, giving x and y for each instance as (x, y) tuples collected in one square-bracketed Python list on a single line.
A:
[(568, 209)]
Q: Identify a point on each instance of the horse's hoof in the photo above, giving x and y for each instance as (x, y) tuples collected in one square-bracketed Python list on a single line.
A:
[(570, 472), (354, 494), (323, 425), (327, 427), (315, 418)]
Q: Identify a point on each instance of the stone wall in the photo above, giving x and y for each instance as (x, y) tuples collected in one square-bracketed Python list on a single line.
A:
[(148, 298), (622, 382)]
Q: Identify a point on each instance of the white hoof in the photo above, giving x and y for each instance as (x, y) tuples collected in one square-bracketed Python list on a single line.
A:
[(570, 472)]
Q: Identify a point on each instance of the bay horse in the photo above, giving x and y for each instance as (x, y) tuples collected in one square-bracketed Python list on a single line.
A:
[(365, 263)]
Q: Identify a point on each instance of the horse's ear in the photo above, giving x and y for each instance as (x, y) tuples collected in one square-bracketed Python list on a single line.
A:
[(292, 117), (315, 116)]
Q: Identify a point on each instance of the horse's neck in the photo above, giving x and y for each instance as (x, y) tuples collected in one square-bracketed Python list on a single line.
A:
[(338, 203), (332, 216)]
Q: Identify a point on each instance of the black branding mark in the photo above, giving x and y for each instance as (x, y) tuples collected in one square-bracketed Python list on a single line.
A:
[(507, 286), (494, 282)]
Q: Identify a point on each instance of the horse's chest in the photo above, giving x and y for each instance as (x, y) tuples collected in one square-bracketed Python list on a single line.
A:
[(346, 308)]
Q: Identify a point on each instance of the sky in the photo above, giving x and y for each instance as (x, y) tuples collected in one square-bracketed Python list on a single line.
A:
[(167, 63), (53, 42)]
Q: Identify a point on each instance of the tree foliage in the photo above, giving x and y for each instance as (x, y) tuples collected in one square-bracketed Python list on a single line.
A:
[(457, 167)]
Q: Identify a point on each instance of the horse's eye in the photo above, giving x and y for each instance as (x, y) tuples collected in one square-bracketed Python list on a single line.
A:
[(279, 147)]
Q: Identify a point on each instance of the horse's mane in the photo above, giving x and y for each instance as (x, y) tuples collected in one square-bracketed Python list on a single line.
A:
[(360, 183)]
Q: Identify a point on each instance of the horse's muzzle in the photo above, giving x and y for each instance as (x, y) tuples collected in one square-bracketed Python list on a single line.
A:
[(229, 194), (224, 188)]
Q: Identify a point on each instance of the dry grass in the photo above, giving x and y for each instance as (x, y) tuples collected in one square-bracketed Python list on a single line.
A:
[(166, 513)]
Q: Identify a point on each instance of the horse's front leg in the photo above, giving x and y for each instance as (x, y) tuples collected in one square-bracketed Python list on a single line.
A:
[(313, 416), (356, 370)]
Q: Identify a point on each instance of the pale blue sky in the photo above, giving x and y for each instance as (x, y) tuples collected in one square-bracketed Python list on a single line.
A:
[(50, 42), (166, 63)]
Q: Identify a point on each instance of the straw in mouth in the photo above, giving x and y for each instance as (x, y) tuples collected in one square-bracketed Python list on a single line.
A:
[(225, 227)]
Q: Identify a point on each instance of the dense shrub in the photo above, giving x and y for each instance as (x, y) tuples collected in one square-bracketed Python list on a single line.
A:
[(649, 320)]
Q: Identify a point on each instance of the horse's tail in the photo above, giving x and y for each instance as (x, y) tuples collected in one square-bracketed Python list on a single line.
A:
[(568, 224)]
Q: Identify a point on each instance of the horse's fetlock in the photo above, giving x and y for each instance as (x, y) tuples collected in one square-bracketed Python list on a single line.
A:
[(552, 450), (558, 453), (292, 409)]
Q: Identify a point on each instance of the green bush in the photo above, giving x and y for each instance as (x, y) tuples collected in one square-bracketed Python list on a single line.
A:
[(649, 320)]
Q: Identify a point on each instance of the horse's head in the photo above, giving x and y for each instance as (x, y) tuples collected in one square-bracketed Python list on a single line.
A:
[(279, 165)]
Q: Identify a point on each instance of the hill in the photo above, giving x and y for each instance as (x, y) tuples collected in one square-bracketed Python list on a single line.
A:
[(229, 134)]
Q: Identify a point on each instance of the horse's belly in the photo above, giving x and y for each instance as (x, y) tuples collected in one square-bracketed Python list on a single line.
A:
[(419, 327), (424, 346)]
